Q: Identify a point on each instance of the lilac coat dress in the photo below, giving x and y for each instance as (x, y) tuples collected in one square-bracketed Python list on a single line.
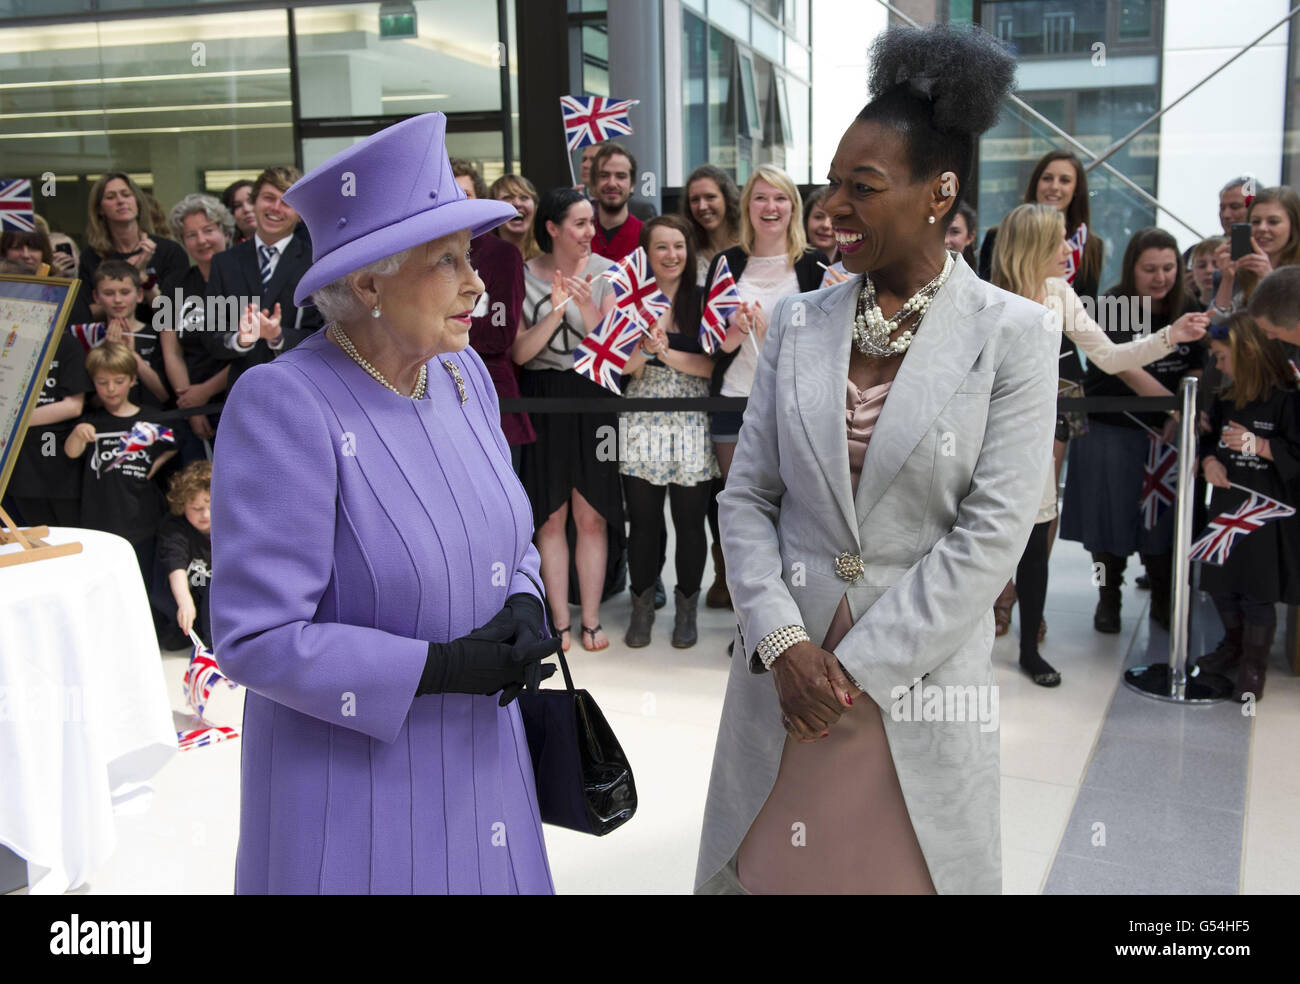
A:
[(350, 527)]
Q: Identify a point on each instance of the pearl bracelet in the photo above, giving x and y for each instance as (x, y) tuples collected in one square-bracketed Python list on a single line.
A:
[(778, 641)]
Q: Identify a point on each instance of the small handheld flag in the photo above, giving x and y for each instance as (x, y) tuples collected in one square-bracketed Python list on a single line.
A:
[(636, 291), (1076, 244), (201, 676), (1159, 481), (723, 299), (594, 119), (1225, 529), (141, 436), (16, 210), (207, 735), (602, 355)]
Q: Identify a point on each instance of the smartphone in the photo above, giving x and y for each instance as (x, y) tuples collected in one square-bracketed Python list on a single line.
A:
[(1241, 244), (64, 248)]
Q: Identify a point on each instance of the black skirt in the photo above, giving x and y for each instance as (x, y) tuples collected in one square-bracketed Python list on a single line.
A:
[(572, 451)]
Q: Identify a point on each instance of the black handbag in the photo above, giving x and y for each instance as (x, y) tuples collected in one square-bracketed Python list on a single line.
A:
[(584, 781)]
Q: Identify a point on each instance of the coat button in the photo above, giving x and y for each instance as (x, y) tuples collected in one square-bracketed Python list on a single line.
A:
[(849, 567)]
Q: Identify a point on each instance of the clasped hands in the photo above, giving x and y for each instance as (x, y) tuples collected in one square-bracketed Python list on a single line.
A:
[(504, 654), (813, 688)]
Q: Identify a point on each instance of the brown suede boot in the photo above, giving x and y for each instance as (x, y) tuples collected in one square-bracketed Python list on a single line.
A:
[(718, 596), (1256, 641)]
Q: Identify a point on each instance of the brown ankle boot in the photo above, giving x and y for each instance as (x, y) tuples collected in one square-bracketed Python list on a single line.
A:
[(1256, 641), (718, 596)]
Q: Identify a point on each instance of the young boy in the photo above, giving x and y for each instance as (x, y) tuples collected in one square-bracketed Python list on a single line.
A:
[(117, 289), (184, 558), (118, 494)]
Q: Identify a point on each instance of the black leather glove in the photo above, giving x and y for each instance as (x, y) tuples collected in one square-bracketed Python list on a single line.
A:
[(520, 620), (478, 663)]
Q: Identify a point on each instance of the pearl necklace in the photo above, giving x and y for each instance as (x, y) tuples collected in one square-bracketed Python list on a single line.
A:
[(346, 345), (872, 330)]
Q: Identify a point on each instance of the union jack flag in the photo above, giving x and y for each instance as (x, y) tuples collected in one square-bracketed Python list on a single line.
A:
[(1159, 480), (1226, 528), (200, 677), (16, 210), (594, 119), (1076, 244), (722, 300), (1295, 369), (141, 436), (602, 355), (636, 292), (89, 335), (207, 735)]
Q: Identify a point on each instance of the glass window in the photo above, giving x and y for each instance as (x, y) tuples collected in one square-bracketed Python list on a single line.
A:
[(347, 69), (170, 99), (800, 19), (796, 58), (800, 115), (749, 95), (695, 111), (722, 103), (731, 15), (767, 37), (1135, 20), (1047, 27)]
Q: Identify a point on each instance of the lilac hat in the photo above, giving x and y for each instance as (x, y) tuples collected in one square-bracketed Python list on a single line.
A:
[(391, 191)]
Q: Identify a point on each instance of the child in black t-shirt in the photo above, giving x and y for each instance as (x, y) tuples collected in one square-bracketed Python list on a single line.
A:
[(128, 446), (117, 289), (184, 558)]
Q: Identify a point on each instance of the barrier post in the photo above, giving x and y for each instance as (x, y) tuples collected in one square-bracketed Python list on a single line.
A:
[(1169, 681)]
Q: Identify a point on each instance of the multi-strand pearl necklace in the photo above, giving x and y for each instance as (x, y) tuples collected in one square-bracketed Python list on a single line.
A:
[(871, 329), (346, 345)]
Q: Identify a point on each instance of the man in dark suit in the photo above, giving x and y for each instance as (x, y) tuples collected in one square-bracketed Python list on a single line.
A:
[(266, 267)]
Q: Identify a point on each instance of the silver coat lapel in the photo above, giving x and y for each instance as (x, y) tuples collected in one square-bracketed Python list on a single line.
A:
[(821, 372)]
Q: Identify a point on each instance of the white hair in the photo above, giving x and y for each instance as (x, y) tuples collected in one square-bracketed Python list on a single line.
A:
[(195, 203), (337, 301)]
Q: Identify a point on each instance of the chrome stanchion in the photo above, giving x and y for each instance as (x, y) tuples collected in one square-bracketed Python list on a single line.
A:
[(1169, 681)]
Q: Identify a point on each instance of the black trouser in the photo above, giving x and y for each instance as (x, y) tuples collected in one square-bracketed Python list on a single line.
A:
[(1031, 587), (645, 510)]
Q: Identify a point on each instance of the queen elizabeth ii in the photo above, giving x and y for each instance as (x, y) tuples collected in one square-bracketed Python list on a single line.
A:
[(374, 574)]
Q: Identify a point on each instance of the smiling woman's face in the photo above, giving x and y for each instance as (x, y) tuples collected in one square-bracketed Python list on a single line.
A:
[(426, 304), (877, 211)]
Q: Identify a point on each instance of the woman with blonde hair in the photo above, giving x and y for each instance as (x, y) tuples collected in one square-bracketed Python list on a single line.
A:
[(518, 191), (1029, 259), (772, 261), (119, 226)]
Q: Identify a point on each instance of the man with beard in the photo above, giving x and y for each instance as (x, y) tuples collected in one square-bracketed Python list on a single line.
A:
[(618, 231)]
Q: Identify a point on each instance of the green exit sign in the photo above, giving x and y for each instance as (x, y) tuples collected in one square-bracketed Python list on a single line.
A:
[(397, 20)]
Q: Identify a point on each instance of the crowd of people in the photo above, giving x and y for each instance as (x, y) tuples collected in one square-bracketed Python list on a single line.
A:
[(175, 319)]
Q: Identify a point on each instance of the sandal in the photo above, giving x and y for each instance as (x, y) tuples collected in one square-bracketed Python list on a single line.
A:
[(564, 644), (1002, 613), (593, 648)]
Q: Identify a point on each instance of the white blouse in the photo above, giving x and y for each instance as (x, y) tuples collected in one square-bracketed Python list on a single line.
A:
[(766, 280)]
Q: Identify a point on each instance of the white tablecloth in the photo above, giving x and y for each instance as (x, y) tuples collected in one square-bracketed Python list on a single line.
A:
[(84, 713)]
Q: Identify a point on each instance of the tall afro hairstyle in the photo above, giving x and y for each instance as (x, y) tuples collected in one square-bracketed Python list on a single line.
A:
[(939, 87)]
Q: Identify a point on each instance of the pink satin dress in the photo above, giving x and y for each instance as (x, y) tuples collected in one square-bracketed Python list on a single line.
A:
[(835, 821)]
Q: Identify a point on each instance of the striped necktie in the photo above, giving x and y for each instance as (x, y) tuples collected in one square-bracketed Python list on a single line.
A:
[(268, 262)]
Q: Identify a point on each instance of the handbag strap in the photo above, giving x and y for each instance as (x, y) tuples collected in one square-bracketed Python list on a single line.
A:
[(550, 627)]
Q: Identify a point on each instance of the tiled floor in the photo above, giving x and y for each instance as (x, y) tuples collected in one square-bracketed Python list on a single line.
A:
[(1169, 827)]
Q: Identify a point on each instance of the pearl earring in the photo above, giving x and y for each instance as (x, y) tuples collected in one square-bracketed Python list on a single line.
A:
[(374, 311), (931, 223)]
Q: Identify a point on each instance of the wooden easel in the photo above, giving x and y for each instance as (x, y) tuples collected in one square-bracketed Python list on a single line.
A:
[(33, 546)]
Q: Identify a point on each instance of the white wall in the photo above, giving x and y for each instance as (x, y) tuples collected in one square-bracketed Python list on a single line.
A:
[(842, 31), (1233, 124)]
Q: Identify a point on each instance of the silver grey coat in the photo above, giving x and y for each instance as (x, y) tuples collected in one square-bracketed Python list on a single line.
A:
[(947, 496)]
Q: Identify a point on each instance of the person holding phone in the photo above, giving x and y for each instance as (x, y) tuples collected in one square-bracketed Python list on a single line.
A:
[(1274, 241)]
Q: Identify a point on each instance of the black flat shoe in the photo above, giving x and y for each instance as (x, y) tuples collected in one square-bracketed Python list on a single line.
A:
[(1041, 671)]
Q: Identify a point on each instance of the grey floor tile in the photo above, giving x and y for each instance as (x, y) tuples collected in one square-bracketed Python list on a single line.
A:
[(1219, 726), (1152, 835), (1214, 778), (1080, 876)]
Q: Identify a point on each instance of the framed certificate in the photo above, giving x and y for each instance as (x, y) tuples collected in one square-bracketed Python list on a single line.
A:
[(33, 315)]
